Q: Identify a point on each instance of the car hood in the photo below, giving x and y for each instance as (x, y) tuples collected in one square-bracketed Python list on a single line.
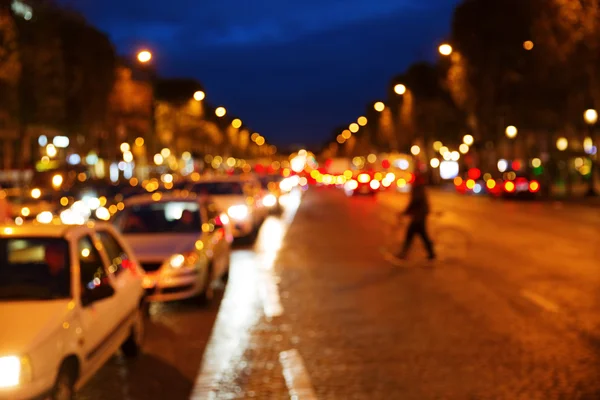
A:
[(159, 247), (224, 202), (28, 323)]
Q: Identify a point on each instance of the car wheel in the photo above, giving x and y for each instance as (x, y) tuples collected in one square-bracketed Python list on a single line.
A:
[(64, 387), (132, 347), (207, 291)]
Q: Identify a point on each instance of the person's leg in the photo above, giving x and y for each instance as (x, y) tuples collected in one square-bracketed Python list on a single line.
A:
[(422, 231), (408, 238)]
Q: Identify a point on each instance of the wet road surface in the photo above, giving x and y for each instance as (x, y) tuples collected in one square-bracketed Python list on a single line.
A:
[(315, 311)]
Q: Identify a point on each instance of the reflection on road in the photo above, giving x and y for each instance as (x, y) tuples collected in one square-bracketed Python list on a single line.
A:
[(251, 290)]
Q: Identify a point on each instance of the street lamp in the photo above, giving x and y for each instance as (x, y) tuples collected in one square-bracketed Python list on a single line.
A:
[(511, 132), (220, 112), (236, 123), (562, 143), (144, 56), (199, 95), (590, 116), (468, 140), (379, 106), (354, 127), (528, 45), (445, 49), (400, 89), (415, 150), (362, 121)]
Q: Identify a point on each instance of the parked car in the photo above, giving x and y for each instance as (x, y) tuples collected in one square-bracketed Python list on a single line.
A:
[(183, 243), (241, 197), (272, 192), (71, 297)]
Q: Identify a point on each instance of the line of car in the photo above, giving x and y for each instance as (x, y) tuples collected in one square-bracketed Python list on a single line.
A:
[(73, 295)]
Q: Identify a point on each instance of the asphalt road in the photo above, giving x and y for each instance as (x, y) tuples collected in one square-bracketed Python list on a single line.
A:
[(314, 310)]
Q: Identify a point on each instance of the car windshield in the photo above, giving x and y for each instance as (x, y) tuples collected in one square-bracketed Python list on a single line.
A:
[(34, 269), (218, 188), (166, 217), (268, 181)]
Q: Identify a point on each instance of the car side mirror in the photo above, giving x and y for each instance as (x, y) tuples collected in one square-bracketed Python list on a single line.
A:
[(98, 293)]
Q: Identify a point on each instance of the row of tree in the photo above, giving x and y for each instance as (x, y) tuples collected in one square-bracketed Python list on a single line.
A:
[(61, 76), (533, 64)]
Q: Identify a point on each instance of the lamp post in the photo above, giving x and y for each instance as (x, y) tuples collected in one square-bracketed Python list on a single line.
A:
[(591, 117), (445, 49), (144, 58), (511, 132)]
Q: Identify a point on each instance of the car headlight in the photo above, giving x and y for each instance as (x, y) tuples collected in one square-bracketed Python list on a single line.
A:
[(178, 261), (14, 371), (238, 212), (269, 200)]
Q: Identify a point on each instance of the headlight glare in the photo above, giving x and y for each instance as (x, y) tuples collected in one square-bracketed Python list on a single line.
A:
[(13, 371), (238, 212), (269, 200)]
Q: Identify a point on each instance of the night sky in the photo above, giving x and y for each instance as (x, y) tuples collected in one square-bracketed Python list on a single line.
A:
[(290, 69)]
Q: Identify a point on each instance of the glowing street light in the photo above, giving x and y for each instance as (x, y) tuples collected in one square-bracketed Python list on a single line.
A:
[(220, 112), (528, 45), (445, 49), (346, 134), (144, 56), (415, 150), (51, 150), (199, 95), (562, 143), (468, 140), (463, 148), (511, 132), (362, 121), (236, 123), (590, 116), (354, 127), (400, 89), (124, 147), (379, 106)]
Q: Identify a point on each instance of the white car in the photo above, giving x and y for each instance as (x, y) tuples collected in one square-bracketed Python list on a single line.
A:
[(70, 297), (241, 197), (182, 241)]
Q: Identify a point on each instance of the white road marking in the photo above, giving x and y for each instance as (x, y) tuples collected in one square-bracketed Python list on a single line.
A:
[(252, 287), (540, 301), (296, 377), (270, 296)]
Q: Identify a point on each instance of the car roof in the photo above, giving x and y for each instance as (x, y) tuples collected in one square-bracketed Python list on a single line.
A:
[(182, 196), (36, 229)]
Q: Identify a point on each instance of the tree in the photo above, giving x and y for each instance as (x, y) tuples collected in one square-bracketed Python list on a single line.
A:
[(10, 74), (90, 64)]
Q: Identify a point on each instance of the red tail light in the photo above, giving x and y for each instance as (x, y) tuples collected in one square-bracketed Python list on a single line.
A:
[(534, 186)]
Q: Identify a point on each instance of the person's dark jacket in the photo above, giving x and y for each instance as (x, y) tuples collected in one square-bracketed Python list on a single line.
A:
[(418, 207)]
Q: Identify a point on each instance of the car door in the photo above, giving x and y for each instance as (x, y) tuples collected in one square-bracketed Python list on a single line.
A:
[(126, 276), (98, 319), (217, 239)]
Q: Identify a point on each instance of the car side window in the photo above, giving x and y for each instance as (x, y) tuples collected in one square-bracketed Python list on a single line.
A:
[(116, 254), (92, 271)]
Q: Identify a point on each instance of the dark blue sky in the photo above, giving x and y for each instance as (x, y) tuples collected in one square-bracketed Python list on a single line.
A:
[(291, 69)]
